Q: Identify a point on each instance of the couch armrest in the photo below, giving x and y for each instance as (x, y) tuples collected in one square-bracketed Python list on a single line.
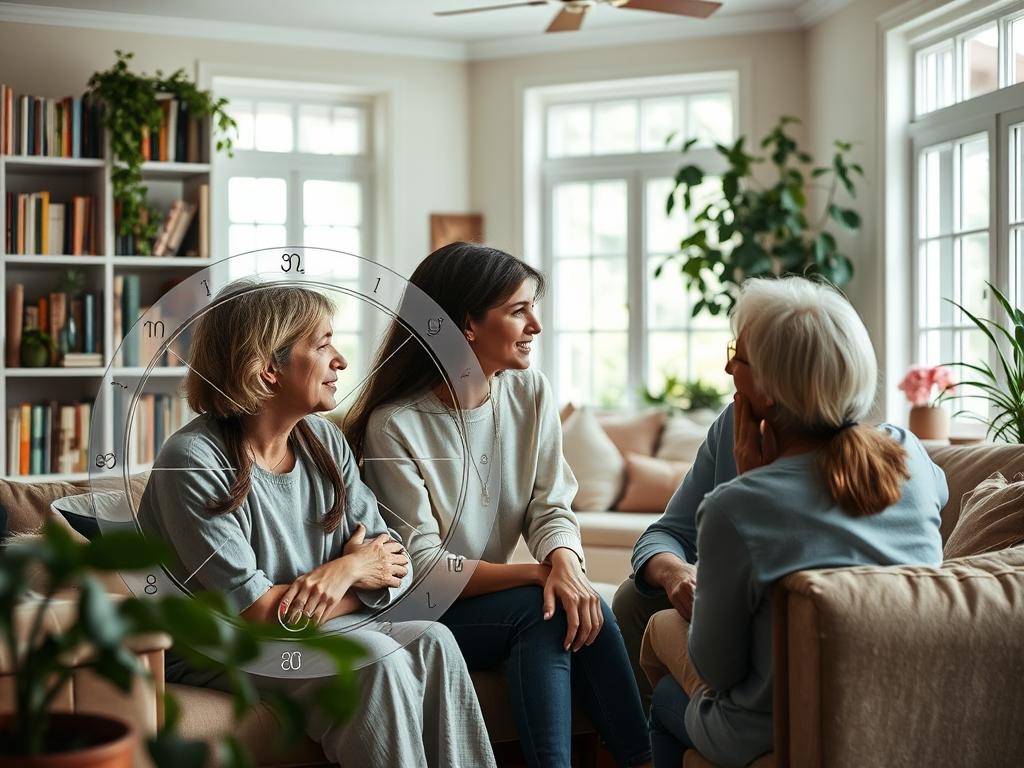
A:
[(902, 665)]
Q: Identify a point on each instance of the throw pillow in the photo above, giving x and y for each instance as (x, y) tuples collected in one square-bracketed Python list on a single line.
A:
[(991, 518), (650, 483), (86, 511), (681, 439), (635, 434), (594, 460), (567, 410)]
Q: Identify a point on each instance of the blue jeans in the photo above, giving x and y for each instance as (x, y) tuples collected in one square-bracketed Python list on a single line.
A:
[(669, 739), (509, 625)]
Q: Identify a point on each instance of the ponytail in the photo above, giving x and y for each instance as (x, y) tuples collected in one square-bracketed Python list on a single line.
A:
[(864, 469)]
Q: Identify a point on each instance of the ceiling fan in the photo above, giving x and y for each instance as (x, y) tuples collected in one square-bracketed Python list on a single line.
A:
[(570, 17)]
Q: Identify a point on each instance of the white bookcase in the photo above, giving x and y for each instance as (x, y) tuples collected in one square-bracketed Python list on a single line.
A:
[(63, 178)]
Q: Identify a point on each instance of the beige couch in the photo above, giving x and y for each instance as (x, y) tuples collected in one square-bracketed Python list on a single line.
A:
[(897, 666)]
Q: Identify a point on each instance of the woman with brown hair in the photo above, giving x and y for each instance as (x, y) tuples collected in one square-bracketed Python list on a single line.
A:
[(815, 487), (261, 500), (544, 619)]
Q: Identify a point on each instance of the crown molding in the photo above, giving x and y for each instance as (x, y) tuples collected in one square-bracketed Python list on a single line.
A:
[(811, 12), (807, 14), (671, 29), (237, 31)]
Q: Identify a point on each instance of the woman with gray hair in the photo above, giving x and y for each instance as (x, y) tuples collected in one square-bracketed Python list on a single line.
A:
[(816, 488)]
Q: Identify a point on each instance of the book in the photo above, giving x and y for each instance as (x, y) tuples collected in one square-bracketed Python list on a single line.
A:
[(82, 360), (15, 319), (25, 442), (167, 228), (58, 319), (51, 448), (36, 445), (118, 319), (89, 322), (66, 440), (13, 441), (77, 313), (181, 226), (55, 224), (204, 221)]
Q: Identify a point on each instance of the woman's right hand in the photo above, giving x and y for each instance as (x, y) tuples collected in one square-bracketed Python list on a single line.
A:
[(380, 562)]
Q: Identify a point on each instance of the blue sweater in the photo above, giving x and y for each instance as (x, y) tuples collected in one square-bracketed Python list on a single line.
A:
[(751, 531)]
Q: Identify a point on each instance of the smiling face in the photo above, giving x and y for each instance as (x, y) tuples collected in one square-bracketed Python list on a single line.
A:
[(502, 338), (307, 383)]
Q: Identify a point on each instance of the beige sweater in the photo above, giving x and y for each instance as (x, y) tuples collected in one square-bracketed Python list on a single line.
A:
[(416, 463)]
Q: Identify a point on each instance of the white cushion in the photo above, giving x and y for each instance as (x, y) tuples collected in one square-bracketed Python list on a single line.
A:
[(613, 529), (680, 439), (594, 460)]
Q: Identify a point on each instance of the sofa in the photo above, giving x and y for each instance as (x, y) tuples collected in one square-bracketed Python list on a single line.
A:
[(901, 666)]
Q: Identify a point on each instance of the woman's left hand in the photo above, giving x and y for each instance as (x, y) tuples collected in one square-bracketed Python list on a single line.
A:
[(754, 443), (317, 593), (581, 602)]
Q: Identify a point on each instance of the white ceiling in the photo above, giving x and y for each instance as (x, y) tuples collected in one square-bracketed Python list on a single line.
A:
[(393, 22)]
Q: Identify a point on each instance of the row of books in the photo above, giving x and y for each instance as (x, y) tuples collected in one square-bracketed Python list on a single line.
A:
[(35, 125), (38, 226), (185, 228), (146, 344), (48, 437), (50, 313), (177, 140), (155, 418)]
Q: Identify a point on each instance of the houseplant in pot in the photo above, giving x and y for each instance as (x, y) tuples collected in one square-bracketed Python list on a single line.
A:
[(37, 347), (57, 618), (928, 419)]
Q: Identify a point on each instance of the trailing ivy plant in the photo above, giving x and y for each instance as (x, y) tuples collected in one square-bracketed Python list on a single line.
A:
[(748, 229), (129, 106)]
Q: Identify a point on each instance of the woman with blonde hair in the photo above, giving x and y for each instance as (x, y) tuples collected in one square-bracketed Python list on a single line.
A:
[(816, 488), (267, 508)]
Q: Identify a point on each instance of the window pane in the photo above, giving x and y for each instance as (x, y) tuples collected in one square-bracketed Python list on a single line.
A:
[(271, 203), (659, 119), (708, 353), (981, 61), (273, 127), (711, 118), (611, 369), (1016, 200), (1017, 263), (930, 192), (336, 238), (241, 239), (571, 219), (573, 311), (609, 217), (935, 283), (270, 236), (663, 232), (974, 272), (569, 130), (315, 128), (935, 77), (331, 202), (574, 360), (349, 312), (610, 308), (667, 356), (1017, 52), (241, 199), (668, 305), (615, 127), (241, 111), (974, 184), (347, 131)]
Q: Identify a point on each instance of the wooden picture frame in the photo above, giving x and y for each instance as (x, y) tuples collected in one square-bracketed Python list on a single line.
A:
[(448, 228)]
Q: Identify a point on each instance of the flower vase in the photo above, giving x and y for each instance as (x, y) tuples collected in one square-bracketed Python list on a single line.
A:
[(929, 422)]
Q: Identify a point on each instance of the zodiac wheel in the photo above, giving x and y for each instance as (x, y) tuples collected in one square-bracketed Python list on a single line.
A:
[(164, 332)]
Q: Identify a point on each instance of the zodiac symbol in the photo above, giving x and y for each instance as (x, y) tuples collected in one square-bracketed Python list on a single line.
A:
[(484, 459), (105, 460), (434, 326), (291, 660), (207, 286), (152, 328), (386, 627), (464, 374), (455, 563), (150, 588), (118, 384), (287, 257)]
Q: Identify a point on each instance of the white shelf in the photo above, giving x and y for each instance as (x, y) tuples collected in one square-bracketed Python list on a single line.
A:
[(160, 261), (49, 165), (59, 371), (163, 371), (57, 261), (179, 171)]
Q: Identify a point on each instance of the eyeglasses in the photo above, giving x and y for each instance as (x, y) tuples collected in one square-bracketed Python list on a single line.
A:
[(730, 354)]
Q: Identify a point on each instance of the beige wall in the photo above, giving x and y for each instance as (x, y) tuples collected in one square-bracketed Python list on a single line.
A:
[(428, 169), (773, 60)]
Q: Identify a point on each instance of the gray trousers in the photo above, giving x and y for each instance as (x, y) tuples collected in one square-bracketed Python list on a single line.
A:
[(633, 610)]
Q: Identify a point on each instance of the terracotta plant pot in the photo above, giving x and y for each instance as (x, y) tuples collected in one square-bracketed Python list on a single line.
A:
[(929, 422), (107, 743)]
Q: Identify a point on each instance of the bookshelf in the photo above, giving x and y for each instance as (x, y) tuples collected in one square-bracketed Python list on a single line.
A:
[(65, 178)]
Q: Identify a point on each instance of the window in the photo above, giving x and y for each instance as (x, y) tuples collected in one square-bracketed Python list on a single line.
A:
[(967, 224), (608, 155), (301, 174)]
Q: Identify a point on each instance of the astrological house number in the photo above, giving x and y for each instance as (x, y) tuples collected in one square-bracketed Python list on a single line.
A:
[(291, 660), (154, 328), (293, 261), (150, 588), (207, 286), (376, 285), (455, 563), (105, 460)]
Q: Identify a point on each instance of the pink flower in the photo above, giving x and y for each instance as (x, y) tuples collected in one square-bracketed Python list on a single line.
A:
[(917, 385)]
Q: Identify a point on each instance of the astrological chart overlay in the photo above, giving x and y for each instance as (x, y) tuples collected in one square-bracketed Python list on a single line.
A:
[(165, 329)]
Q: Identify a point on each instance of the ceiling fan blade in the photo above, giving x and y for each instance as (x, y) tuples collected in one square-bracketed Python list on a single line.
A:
[(490, 8), (700, 9), (568, 20)]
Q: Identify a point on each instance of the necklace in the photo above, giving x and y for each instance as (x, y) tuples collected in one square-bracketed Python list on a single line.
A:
[(485, 459), (252, 454)]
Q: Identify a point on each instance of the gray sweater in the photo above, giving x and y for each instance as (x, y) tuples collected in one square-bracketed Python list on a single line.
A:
[(408, 450), (274, 537)]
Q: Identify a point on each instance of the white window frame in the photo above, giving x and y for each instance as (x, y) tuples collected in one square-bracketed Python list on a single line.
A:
[(633, 168)]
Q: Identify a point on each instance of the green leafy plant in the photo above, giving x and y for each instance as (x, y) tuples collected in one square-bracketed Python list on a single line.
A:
[(686, 396), (752, 230), (71, 282), (37, 347), (204, 631), (1005, 395), (130, 105)]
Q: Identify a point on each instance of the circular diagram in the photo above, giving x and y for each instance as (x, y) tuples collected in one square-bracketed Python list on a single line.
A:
[(162, 334)]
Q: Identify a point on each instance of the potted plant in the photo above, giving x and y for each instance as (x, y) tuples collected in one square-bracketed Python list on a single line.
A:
[(1002, 389), (38, 572), (928, 419), (749, 229), (687, 396), (130, 107), (37, 348)]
